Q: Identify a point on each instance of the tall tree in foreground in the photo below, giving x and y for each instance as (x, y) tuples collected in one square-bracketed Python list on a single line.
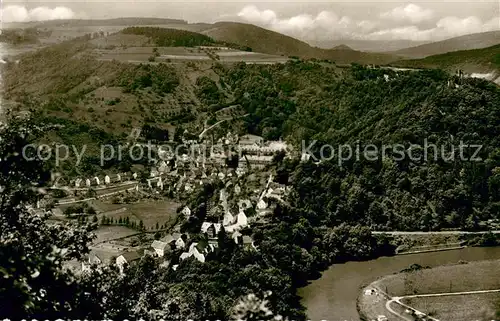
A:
[(33, 282)]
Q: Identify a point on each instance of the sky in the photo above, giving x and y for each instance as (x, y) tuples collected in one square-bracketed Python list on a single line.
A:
[(417, 20)]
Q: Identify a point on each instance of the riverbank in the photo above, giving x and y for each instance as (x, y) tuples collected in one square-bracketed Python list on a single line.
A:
[(459, 277), (333, 296)]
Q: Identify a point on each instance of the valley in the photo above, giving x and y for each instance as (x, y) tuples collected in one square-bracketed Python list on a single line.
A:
[(193, 188)]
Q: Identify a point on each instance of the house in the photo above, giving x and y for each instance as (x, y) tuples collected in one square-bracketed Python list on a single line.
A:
[(128, 258), (237, 237), (107, 180), (261, 205), (175, 240), (242, 219), (247, 242), (78, 182), (186, 211), (197, 250), (251, 140), (96, 257), (213, 230), (180, 240), (160, 247), (228, 219)]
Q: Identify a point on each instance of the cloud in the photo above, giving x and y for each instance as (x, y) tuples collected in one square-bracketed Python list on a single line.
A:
[(446, 27), (15, 13), (327, 25), (410, 12), (324, 25)]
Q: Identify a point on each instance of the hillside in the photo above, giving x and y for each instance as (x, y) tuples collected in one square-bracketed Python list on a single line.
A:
[(259, 39), (471, 61), (467, 42), (164, 37), (270, 42)]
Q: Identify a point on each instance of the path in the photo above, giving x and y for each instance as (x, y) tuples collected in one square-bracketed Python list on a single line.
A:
[(397, 300), (218, 123)]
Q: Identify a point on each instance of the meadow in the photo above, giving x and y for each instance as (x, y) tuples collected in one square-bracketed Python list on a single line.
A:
[(474, 276)]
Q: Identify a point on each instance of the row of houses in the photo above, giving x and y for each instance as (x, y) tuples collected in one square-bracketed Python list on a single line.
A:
[(106, 180)]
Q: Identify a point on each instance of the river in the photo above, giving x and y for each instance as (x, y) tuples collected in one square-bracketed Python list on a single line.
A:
[(333, 296)]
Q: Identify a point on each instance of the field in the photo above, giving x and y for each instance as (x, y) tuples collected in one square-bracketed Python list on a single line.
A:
[(178, 54), (473, 276), (106, 233), (465, 307), (149, 211)]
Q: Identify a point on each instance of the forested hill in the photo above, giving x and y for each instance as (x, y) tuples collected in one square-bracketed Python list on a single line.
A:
[(306, 102), (271, 42), (476, 60)]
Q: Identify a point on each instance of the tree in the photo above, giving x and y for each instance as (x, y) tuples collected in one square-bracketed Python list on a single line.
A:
[(34, 283), (254, 308)]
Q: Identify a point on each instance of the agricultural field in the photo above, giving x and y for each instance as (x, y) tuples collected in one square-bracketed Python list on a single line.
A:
[(464, 307), (474, 276), (107, 233), (178, 54), (150, 212)]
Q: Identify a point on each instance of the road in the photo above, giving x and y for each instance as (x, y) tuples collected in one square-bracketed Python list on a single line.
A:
[(94, 198), (437, 232), (397, 300)]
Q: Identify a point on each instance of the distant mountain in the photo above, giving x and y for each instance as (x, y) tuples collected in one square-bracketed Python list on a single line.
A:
[(467, 42), (129, 21), (270, 42), (485, 60), (368, 45), (342, 47)]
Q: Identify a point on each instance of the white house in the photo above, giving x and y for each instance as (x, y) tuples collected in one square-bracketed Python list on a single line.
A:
[(78, 182), (242, 219), (261, 204), (194, 250), (127, 258), (228, 219), (87, 182), (178, 240), (160, 247), (186, 211), (107, 180), (97, 181), (212, 229)]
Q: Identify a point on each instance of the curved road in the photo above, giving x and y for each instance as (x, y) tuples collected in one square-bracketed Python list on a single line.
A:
[(397, 300)]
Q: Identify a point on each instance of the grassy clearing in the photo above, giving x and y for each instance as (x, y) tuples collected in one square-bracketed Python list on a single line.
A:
[(472, 276), (466, 307), (105, 233), (149, 211)]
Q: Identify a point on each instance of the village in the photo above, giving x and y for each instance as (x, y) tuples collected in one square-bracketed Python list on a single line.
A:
[(141, 214)]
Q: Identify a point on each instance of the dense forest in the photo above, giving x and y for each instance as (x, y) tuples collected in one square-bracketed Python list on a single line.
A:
[(381, 107), (166, 37)]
